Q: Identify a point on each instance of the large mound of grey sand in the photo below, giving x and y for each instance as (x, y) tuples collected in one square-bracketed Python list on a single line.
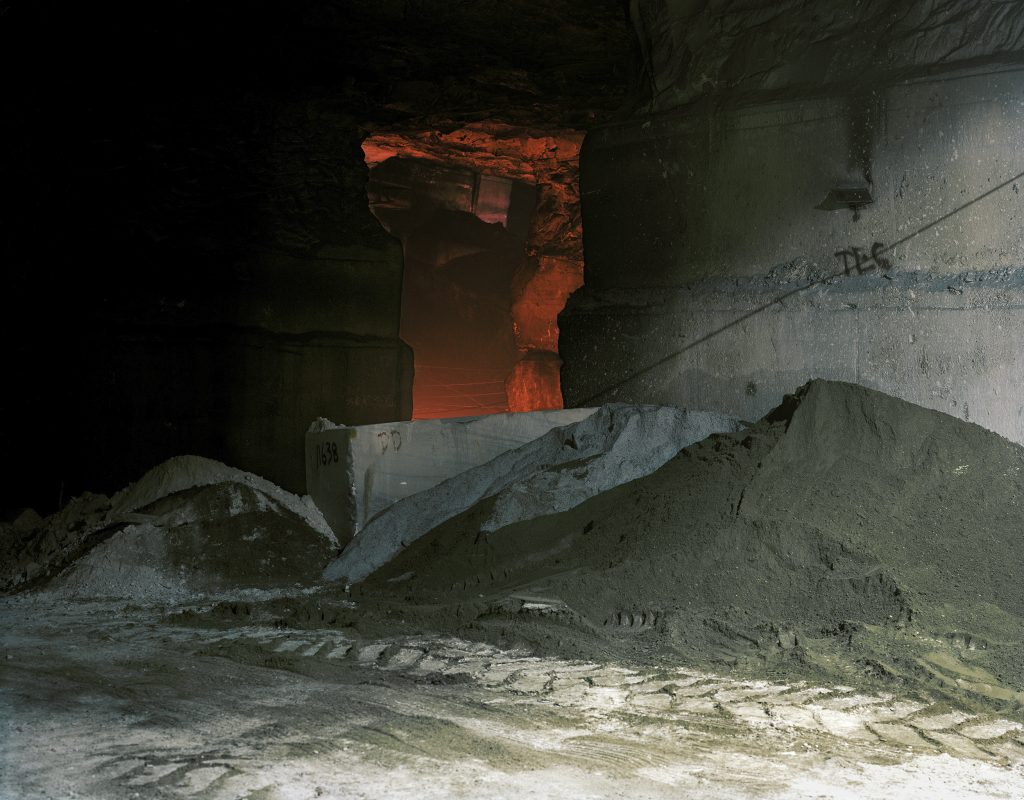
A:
[(555, 472), (848, 533)]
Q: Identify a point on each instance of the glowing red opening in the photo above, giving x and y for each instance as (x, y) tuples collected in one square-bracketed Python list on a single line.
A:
[(489, 221)]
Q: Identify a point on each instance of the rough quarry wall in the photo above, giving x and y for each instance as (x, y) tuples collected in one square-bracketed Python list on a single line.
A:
[(730, 229), (695, 50)]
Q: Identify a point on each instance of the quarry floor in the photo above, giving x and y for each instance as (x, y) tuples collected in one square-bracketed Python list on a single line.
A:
[(102, 701)]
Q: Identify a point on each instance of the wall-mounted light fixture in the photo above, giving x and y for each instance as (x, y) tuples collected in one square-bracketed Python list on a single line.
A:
[(852, 197)]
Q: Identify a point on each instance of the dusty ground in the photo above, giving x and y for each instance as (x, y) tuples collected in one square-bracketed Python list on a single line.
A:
[(849, 538), (100, 701)]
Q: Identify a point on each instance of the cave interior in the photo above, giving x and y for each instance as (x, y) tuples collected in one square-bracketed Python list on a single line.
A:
[(241, 240)]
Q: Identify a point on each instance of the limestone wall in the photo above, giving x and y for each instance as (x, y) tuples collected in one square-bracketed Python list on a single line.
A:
[(715, 274), (951, 343)]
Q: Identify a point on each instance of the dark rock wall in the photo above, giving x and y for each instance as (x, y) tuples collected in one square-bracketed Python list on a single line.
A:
[(190, 265)]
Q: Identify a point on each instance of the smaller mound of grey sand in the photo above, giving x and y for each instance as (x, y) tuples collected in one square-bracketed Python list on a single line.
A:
[(201, 541), (556, 472), (187, 472), (190, 526)]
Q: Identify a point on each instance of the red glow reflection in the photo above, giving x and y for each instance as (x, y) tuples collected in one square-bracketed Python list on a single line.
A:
[(503, 353)]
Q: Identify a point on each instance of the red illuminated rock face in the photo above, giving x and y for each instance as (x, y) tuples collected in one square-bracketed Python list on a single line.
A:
[(534, 384), (550, 281), (553, 268)]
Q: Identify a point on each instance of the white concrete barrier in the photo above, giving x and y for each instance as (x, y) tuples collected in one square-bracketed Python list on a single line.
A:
[(553, 473), (354, 473)]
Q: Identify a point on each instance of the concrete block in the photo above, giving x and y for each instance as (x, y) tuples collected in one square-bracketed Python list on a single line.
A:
[(355, 472)]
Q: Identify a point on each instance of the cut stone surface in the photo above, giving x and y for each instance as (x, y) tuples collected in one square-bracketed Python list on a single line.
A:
[(355, 472)]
